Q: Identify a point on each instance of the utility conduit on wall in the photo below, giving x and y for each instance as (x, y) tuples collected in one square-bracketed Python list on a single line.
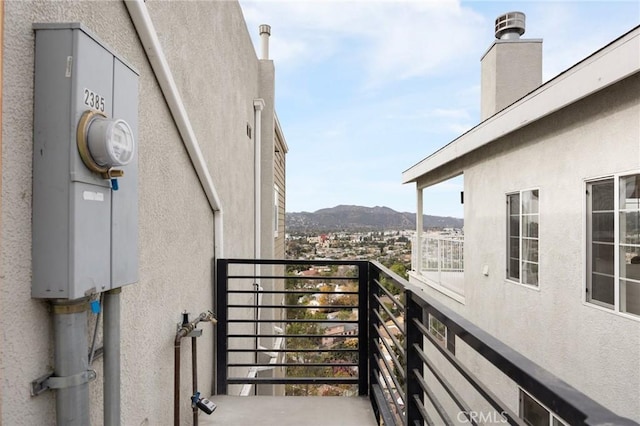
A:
[(149, 38)]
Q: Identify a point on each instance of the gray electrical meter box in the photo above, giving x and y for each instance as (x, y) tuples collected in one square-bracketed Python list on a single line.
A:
[(85, 165)]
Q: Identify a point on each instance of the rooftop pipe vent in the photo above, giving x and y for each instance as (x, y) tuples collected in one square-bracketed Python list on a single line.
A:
[(510, 25), (265, 29), (265, 32)]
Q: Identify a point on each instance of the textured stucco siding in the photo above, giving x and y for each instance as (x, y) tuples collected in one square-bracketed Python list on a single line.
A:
[(217, 74), (267, 93), (510, 70), (594, 350)]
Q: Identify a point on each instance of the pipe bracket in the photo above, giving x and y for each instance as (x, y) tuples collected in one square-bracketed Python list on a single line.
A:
[(49, 381)]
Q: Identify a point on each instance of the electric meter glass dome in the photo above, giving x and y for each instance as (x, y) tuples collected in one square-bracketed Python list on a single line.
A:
[(111, 142)]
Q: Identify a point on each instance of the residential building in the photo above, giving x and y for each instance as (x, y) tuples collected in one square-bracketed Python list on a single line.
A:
[(551, 208), (209, 162)]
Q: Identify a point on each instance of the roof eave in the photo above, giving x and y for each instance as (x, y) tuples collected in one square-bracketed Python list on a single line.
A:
[(613, 63)]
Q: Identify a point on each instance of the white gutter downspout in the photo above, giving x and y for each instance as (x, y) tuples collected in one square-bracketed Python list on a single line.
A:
[(258, 105), (149, 38)]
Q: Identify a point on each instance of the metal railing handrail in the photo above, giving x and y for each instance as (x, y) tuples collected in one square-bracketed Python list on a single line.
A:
[(564, 400), (395, 353)]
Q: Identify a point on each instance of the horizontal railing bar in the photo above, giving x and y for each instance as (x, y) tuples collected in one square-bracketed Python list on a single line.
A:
[(455, 397), (394, 379), (560, 397), (338, 307), (292, 380), (489, 396), (310, 321), (389, 294), (388, 398), (423, 412), (294, 350), (391, 336), (290, 364), (291, 277), (392, 354), (290, 291), (311, 336), (383, 405), (432, 397), (315, 262), (387, 385), (403, 284), (390, 314)]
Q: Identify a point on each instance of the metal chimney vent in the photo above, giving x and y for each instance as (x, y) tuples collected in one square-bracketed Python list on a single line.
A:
[(510, 25)]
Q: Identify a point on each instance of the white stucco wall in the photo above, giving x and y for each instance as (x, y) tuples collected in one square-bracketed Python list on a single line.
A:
[(217, 73), (594, 350)]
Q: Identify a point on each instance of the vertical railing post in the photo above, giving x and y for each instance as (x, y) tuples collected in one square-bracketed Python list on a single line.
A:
[(419, 231), (439, 259), (222, 299), (374, 275), (413, 361), (363, 330)]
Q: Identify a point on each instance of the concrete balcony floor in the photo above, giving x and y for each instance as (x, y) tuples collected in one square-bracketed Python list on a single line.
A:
[(289, 411)]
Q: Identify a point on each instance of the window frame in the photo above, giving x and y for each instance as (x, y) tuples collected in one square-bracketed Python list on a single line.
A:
[(617, 245), (438, 330), (552, 416), (521, 238), (446, 340)]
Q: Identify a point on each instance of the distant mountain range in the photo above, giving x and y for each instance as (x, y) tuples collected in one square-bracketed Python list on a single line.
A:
[(358, 218)]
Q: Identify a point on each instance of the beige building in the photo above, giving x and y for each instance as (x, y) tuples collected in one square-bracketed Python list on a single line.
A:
[(210, 163), (551, 206)]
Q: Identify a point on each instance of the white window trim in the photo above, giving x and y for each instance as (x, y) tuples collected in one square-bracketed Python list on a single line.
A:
[(616, 253), (519, 282), (441, 338), (552, 414)]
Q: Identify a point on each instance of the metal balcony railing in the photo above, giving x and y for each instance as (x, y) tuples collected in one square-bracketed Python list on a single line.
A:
[(355, 327), (441, 261)]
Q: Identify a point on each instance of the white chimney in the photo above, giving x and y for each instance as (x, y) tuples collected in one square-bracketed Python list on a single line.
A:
[(265, 32), (512, 67)]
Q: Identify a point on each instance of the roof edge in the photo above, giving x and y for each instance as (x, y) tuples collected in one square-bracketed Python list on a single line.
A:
[(563, 90)]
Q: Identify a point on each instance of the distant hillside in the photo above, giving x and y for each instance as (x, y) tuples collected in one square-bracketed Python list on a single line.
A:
[(357, 218)]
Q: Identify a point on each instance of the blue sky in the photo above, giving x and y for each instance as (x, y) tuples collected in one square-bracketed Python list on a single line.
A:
[(365, 89)]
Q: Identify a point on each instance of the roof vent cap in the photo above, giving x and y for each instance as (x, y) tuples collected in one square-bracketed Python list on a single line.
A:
[(510, 25)]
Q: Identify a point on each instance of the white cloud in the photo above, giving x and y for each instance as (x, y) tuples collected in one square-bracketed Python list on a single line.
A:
[(390, 40), (367, 88)]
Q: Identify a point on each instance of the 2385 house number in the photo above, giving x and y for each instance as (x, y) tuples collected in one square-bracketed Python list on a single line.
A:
[(93, 100)]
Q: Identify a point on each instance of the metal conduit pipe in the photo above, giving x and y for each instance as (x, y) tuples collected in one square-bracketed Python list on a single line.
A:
[(184, 331), (194, 377), (71, 362), (111, 385)]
